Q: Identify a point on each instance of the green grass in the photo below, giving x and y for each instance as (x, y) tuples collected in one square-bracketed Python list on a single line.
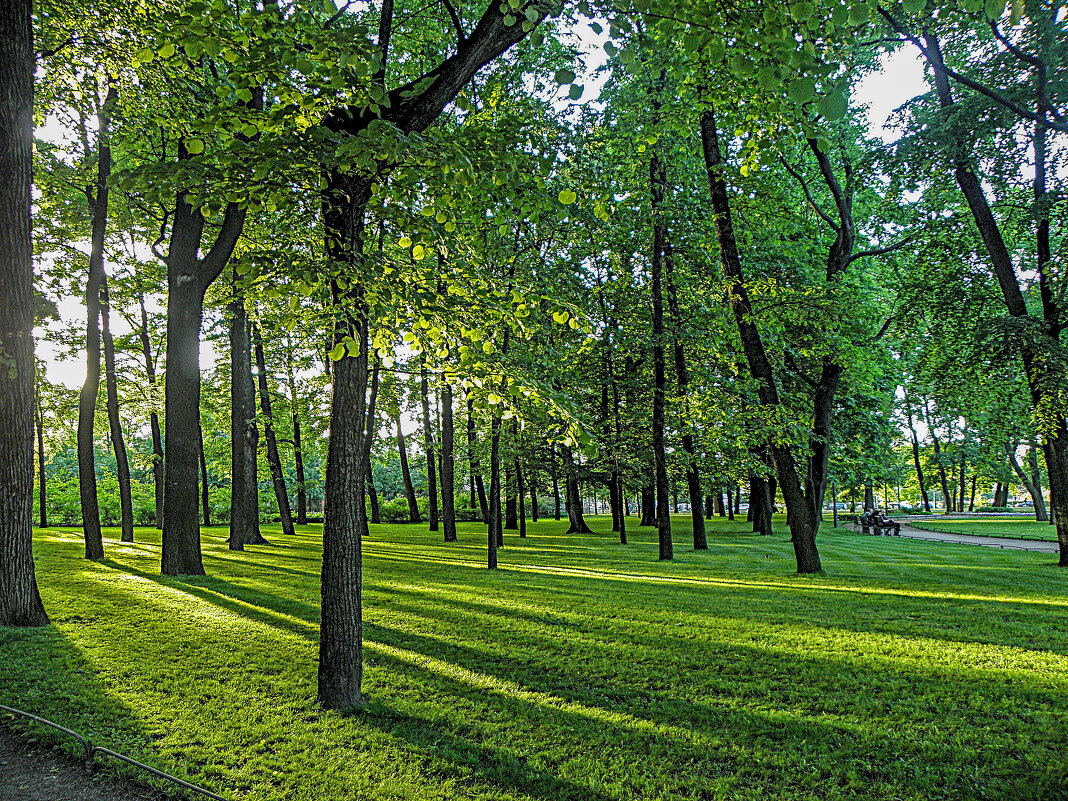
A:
[(1016, 528), (581, 669)]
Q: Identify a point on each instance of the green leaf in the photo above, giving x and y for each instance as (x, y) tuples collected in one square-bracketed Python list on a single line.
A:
[(567, 197), (337, 351), (576, 91), (195, 146), (564, 76), (833, 106)]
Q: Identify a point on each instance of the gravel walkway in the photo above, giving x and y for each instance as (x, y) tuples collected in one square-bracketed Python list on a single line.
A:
[(36, 773), (988, 542)]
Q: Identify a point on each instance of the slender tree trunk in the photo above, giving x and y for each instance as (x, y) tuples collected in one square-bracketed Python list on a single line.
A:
[(533, 500), (428, 440), (448, 464), (42, 479), (157, 435), (1033, 489), (521, 493), (298, 451), (511, 517), (98, 204), (657, 188), (971, 503), (205, 498), (556, 483), (948, 498), (244, 494), (476, 464), (916, 456), (495, 534), (118, 443), (802, 520), (20, 601), (370, 435), (406, 475), (1036, 479), (274, 461)]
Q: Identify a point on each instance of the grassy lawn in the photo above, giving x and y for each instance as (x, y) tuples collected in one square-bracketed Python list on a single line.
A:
[(581, 669), (1017, 528)]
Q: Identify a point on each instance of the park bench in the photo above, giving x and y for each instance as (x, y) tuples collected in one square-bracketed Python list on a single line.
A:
[(858, 525)]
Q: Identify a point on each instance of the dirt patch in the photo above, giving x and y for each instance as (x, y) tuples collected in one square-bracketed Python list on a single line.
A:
[(30, 772)]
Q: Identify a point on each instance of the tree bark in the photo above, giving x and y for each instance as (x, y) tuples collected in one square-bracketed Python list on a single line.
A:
[(916, 456), (406, 475), (574, 499), (20, 602), (511, 517), (1036, 479), (298, 451), (205, 495), (42, 478), (118, 443), (803, 521), (648, 502), (428, 441), (244, 436), (274, 461), (188, 278), (1034, 490), (495, 534), (370, 434), (476, 463), (157, 435), (448, 464), (556, 483)]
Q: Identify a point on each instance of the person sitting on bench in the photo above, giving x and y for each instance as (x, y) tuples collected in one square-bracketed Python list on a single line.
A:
[(884, 523)]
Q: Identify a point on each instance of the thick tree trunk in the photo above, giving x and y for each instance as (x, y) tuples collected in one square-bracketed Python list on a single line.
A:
[(428, 442), (648, 503), (340, 673), (244, 494), (448, 464), (157, 435), (20, 602), (574, 499), (406, 475), (188, 278), (118, 443), (274, 461)]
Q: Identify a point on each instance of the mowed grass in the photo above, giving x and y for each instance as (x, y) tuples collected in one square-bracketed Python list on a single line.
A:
[(1017, 528), (582, 669)]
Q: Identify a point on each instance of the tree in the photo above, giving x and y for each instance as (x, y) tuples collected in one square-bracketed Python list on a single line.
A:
[(20, 601)]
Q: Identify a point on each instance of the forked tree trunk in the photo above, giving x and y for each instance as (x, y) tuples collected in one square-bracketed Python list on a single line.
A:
[(20, 602), (574, 499), (274, 461), (118, 443)]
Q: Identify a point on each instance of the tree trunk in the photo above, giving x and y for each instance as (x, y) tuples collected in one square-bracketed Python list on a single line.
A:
[(157, 435), (20, 602), (428, 441), (369, 440), (657, 190), (495, 534), (801, 518), (406, 475), (556, 483), (1036, 479), (475, 462), (274, 461), (1033, 489), (916, 456), (298, 452), (533, 500), (511, 516), (118, 443), (42, 479), (448, 464), (521, 494), (205, 497), (709, 506), (244, 494), (648, 502), (188, 278), (574, 499), (98, 204)]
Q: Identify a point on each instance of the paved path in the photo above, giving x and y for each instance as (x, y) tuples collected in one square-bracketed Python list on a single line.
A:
[(989, 542)]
